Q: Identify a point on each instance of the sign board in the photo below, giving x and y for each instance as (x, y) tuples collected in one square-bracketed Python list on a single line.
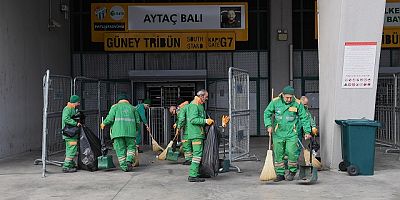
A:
[(392, 14), (359, 64), (391, 26), (171, 17), (390, 38), (169, 41)]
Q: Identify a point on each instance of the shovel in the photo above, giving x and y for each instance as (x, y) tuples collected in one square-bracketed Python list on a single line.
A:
[(308, 173), (104, 161)]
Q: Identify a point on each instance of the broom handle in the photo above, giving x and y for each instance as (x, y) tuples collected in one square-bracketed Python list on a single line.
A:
[(269, 142), (270, 138), (102, 132)]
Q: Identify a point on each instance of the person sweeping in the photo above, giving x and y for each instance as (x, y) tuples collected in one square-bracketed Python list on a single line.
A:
[(71, 143), (181, 126), (141, 108), (195, 122), (287, 112), (124, 121)]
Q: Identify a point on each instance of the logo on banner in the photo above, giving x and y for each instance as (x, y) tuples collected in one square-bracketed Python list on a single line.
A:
[(101, 13), (117, 13)]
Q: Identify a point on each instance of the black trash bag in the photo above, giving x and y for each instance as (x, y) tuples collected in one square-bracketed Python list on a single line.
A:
[(210, 161), (89, 150)]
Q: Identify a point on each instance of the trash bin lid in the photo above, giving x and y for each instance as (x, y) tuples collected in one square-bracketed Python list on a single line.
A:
[(358, 122)]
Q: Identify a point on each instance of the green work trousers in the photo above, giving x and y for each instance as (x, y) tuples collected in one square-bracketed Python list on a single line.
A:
[(197, 146), (71, 149), (139, 135), (285, 146), (186, 147), (125, 147)]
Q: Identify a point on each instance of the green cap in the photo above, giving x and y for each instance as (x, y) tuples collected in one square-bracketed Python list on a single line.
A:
[(288, 90), (74, 99), (122, 96), (147, 101)]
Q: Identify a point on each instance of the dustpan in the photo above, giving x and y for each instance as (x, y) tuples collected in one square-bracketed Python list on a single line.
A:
[(104, 161), (308, 173)]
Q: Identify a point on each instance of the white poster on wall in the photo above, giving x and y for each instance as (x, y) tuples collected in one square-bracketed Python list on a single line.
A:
[(359, 64), (186, 17)]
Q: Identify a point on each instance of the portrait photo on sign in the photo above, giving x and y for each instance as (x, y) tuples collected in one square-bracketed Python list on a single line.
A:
[(231, 17)]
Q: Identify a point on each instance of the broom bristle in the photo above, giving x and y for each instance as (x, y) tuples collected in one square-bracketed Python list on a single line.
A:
[(268, 172), (156, 147), (136, 158), (315, 162), (163, 155)]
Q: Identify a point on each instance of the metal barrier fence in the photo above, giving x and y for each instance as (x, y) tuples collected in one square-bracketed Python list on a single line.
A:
[(96, 99), (239, 111), (159, 120), (56, 92), (387, 111)]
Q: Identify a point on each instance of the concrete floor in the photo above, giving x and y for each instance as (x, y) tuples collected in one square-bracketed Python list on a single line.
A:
[(20, 179)]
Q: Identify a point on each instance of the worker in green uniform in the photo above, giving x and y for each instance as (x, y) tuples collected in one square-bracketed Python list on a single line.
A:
[(181, 126), (314, 130), (124, 120), (71, 143), (288, 111), (195, 122), (141, 108)]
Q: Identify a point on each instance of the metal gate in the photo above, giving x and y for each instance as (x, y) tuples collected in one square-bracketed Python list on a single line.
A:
[(239, 111), (56, 92), (96, 99), (387, 111)]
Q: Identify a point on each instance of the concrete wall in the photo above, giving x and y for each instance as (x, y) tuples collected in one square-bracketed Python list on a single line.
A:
[(341, 21), (27, 49), (280, 18)]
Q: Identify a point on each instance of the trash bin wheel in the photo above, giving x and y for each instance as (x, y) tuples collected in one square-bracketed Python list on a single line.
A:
[(353, 170), (343, 166)]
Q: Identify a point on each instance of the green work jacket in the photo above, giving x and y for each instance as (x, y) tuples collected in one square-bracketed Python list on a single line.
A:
[(67, 114), (181, 122), (195, 120), (286, 117), (142, 112), (124, 120)]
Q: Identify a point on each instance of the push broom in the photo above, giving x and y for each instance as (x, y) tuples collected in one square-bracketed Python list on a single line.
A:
[(163, 155), (268, 172), (154, 144)]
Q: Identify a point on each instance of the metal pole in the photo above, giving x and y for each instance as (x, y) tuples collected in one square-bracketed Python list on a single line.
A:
[(98, 108), (394, 109), (248, 111), (291, 64), (230, 113), (44, 128)]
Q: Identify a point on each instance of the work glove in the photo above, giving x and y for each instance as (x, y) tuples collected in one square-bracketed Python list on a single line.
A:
[(174, 126), (102, 126), (225, 120), (209, 121), (314, 131), (148, 128)]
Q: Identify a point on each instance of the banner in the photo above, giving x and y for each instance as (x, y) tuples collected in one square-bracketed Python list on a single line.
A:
[(169, 41), (171, 17), (390, 38), (392, 15)]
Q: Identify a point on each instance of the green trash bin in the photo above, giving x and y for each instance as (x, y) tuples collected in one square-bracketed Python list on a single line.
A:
[(358, 146)]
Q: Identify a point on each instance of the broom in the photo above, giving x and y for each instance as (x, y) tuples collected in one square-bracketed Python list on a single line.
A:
[(163, 155), (268, 172), (154, 144), (136, 164), (315, 162)]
